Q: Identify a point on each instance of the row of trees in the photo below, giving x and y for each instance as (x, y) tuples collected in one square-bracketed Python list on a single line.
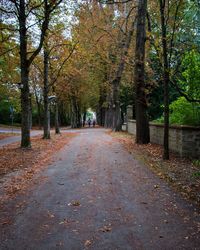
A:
[(100, 54)]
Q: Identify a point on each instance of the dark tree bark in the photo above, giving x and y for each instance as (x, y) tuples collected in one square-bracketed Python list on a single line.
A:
[(46, 134), (116, 110), (108, 112), (25, 103), (142, 124), (30, 112), (165, 80), (84, 118), (57, 127), (38, 107), (64, 113), (22, 7), (75, 113), (101, 107), (50, 84), (117, 121)]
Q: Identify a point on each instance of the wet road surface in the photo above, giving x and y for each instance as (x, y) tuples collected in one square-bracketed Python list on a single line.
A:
[(97, 196)]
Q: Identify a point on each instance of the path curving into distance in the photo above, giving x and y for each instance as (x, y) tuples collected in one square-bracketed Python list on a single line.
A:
[(98, 196)]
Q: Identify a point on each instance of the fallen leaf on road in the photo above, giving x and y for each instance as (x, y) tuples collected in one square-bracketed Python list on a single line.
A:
[(87, 243), (6, 222), (50, 215), (59, 183), (117, 208), (65, 221), (76, 203), (106, 228)]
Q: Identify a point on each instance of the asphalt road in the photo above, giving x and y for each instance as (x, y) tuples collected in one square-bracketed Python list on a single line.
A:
[(98, 196), (15, 138)]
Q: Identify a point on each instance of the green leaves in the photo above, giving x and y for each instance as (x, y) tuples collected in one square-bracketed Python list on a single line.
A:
[(190, 80), (184, 112)]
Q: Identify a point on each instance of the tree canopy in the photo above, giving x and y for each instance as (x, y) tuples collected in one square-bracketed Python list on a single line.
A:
[(89, 54)]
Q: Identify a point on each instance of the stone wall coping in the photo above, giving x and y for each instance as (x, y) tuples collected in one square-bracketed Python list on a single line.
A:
[(181, 127)]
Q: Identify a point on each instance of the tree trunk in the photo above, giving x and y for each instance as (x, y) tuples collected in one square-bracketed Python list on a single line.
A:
[(57, 127), (25, 102), (101, 108), (84, 118), (30, 112), (46, 134), (73, 117), (75, 114), (124, 46), (109, 117), (38, 108), (117, 121), (142, 124), (108, 112), (165, 80), (25, 62), (25, 106)]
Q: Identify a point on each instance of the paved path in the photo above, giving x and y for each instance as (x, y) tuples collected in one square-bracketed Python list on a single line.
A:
[(97, 196), (16, 138)]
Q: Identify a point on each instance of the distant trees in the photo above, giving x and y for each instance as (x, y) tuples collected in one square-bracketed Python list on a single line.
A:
[(107, 55), (109, 38)]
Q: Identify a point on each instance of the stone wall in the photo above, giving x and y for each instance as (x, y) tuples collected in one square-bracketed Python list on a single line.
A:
[(184, 140)]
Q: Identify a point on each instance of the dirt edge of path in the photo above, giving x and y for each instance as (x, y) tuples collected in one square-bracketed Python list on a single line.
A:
[(181, 174), (18, 166)]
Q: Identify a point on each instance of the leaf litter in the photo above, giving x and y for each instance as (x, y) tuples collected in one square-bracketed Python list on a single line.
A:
[(18, 166), (178, 172)]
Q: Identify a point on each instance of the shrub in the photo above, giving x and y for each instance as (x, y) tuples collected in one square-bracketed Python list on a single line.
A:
[(184, 113)]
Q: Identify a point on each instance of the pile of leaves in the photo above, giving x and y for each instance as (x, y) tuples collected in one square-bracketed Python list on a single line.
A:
[(19, 166), (181, 173)]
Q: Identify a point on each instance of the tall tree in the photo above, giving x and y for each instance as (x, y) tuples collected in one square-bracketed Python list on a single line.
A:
[(46, 88), (24, 12), (142, 125), (165, 78), (173, 30)]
